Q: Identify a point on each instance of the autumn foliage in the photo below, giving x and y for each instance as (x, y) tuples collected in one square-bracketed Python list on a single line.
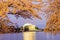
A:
[(53, 23), (14, 6)]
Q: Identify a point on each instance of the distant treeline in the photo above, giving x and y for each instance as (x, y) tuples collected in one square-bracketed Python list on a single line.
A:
[(10, 29), (13, 29)]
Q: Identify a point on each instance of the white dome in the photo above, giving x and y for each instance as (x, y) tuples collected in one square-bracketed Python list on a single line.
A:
[(30, 26), (27, 24)]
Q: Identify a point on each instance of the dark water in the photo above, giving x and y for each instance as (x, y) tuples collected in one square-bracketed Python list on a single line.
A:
[(39, 36)]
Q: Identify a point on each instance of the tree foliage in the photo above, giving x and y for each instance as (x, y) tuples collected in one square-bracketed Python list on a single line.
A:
[(18, 5), (54, 20)]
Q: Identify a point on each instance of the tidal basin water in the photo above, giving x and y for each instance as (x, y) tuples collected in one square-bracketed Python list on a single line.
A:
[(32, 36)]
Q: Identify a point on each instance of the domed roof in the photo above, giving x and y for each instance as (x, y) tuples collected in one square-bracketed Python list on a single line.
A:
[(27, 24), (30, 26)]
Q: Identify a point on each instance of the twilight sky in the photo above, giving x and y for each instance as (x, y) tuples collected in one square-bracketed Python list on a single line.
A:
[(21, 21)]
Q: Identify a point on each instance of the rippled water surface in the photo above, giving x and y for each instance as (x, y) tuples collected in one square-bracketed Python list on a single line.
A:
[(39, 36)]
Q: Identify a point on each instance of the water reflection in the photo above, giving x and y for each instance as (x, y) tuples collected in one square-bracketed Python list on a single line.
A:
[(30, 36), (15, 36), (49, 36)]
